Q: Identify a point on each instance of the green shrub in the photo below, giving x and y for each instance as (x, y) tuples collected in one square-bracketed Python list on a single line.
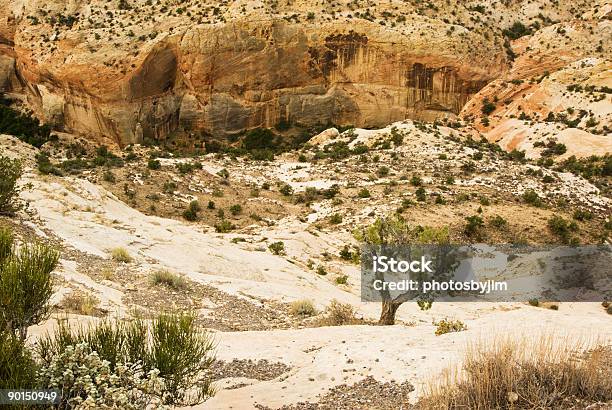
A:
[(191, 213), (167, 278), (421, 194), (532, 198), (474, 225), (260, 138), (562, 228), (224, 173), (87, 381), (448, 326), (286, 190), (235, 209), (277, 248), (17, 367), (108, 176), (24, 127), (382, 171), (44, 165), (26, 284), (153, 164), (487, 107), (364, 193), (534, 302), (498, 222), (335, 219), (11, 170), (321, 270), (171, 343), (582, 215), (224, 226), (342, 280)]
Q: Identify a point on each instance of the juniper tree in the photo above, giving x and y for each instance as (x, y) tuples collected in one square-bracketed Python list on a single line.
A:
[(395, 231)]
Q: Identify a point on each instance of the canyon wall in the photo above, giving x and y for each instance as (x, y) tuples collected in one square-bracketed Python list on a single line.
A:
[(242, 74)]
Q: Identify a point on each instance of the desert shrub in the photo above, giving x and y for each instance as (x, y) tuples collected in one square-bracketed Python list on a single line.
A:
[(108, 176), (302, 308), (260, 138), (342, 280), (17, 367), (153, 164), (170, 187), (11, 170), (277, 248), (224, 226), (525, 374), (211, 205), (26, 284), (416, 180), (191, 213), (321, 270), (286, 189), (44, 165), (235, 209), (487, 107), (421, 194), (517, 30), (562, 228), (87, 381), (534, 302), (167, 278), (474, 225), (448, 326), (121, 255), (171, 344), (363, 193), (339, 314), (188, 167), (335, 219), (80, 303), (24, 127), (582, 215), (532, 198), (223, 173), (382, 171), (498, 222)]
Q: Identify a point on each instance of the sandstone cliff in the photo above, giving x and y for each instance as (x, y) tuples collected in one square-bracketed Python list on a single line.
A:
[(129, 70)]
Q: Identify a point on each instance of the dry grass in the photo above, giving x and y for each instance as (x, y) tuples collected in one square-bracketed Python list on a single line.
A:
[(547, 373), (339, 314), (82, 304), (167, 278), (302, 308), (121, 255)]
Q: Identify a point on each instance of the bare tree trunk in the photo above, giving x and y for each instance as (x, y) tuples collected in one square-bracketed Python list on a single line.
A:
[(387, 316)]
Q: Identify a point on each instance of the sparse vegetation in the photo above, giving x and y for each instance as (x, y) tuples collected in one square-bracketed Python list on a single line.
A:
[(513, 374), (302, 308), (449, 326), (121, 255), (169, 279), (11, 170)]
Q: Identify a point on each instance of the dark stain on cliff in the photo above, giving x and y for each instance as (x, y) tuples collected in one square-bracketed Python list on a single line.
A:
[(440, 88), (337, 46), (155, 76)]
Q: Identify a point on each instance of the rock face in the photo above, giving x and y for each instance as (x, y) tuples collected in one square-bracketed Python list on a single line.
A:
[(140, 69)]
